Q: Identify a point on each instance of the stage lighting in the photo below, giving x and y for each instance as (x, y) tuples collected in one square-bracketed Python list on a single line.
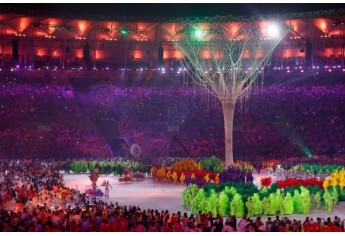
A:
[(273, 31), (124, 31), (199, 33)]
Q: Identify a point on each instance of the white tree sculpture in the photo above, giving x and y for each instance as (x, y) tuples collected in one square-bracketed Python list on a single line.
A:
[(225, 55)]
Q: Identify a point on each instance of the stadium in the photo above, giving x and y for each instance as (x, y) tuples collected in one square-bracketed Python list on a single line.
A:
[(147, 121)]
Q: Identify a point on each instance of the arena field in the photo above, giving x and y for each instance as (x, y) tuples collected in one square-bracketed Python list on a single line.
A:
[(149, 194)]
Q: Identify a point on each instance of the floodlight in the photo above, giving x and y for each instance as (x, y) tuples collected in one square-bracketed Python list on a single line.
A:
[(273, 30)]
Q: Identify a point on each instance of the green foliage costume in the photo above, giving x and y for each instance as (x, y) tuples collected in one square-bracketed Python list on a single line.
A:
[(212, 164), (273, 206), (306, 200), (201, 200), (189, 196), (257, 204), (288, 204), (186, 204), (281, 207), (83, 167), (236, 199), (249, 207), (237, 206), (317, 198), (265, 205), (212, 203), (224, 204), (297, 202), (76, 167), (335, 197), (328, 199), (278, 198)]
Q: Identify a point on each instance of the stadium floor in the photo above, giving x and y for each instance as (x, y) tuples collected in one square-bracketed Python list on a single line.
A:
[(149, 194)]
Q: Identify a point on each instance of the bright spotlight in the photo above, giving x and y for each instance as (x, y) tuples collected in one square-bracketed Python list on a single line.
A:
[(199, 34), (273, 31), (124, 31)]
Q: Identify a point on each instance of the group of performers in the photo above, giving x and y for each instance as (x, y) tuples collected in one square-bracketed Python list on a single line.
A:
[(299, 201), (128, 176), (286, 204)]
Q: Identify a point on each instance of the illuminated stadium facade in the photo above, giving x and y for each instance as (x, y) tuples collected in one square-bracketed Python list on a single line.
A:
[(40, 39)]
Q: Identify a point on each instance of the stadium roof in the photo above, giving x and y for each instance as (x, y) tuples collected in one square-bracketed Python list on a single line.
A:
[(116, 10)]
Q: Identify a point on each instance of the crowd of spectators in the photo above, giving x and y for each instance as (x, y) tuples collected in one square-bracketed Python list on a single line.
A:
[(44, 121), (287, 121), (33, 198), (294, 120)]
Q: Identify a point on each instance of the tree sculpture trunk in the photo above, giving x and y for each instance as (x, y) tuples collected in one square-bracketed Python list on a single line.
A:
[(228, 113)]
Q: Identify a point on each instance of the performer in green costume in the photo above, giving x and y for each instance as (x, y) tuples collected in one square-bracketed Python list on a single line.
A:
[(328, 199), (288, 204), (297, 202), (278, 199), (306, 200), (237, 206), (189, 197), (201, 200), (212, 203), (281, 207), (223, 203), (249, 207), (257, 204), (317, 199), (305, 204), (335, 197), (265, 206), (273, 204)]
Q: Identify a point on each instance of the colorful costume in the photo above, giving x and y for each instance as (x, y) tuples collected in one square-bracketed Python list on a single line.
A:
[(257, 204), (182, 178), (278, 198), (212, 203), (265, 205), (237, 206), (317, 199), (281, 207), (273, 206), (297, 202), (288, 204), (306, 200), (201, 200), (223, 203), (328, 201), (249, 207), (335, 197), (174, 176), (185, 197), (188, 196)]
